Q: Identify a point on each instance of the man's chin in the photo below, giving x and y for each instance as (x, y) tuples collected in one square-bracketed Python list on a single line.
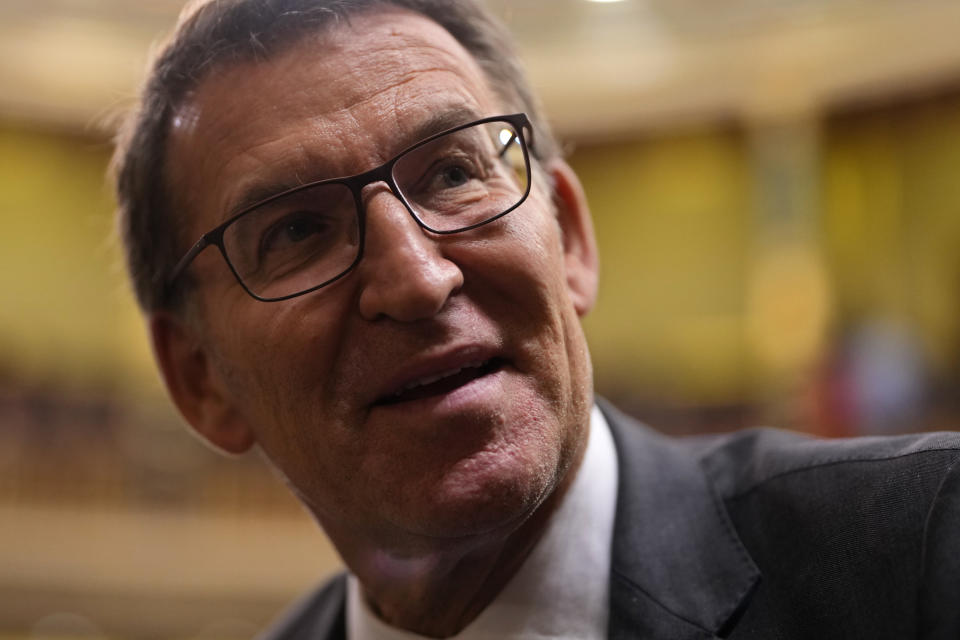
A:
[(481, 499)]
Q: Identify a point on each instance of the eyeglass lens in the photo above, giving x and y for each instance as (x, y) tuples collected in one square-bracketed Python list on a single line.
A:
[(310, 236)]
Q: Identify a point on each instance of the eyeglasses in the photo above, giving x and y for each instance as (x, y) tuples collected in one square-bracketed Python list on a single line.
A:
[(305, 238)]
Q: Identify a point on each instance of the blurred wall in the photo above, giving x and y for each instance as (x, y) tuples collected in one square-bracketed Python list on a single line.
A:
[(67, 318), (891, 220), (741, 265), (673, 222)]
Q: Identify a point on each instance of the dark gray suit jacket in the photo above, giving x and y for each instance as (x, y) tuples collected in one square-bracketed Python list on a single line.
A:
[(766, 535)]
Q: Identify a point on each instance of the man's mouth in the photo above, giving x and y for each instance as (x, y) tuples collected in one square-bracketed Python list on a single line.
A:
[(442, 382)]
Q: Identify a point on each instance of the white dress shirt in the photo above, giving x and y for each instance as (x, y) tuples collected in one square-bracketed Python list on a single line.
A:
[(562, 588)]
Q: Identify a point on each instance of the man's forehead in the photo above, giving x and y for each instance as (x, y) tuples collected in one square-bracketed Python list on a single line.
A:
[(369, 53), (374, 83)]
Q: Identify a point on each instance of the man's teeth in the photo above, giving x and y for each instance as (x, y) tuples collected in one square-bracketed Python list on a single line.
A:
[(422, 382)]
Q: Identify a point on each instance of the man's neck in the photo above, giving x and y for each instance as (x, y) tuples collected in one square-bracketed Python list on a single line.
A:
[(444, 592)]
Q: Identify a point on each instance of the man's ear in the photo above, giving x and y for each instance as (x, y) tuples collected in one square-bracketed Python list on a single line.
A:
[(579, 243), (195, 386)]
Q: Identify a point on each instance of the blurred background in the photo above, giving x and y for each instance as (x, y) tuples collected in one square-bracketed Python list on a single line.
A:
[(776, 198)]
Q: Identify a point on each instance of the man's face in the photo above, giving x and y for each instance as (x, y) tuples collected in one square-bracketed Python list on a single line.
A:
[(315, 379)]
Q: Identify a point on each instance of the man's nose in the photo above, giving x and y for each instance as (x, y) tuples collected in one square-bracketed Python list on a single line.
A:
[(404, 274)]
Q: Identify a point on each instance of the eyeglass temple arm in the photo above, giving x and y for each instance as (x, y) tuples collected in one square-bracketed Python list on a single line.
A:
[(185, 261), (515, 136), (506, 145)]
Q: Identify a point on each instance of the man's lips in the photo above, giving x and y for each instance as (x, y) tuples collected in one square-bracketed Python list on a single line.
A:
[(441, 381)]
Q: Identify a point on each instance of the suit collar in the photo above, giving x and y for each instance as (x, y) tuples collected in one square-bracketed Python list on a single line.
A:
[(679, 570)]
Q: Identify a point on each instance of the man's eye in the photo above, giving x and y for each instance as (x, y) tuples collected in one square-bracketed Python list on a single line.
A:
[(293, 229), (453, 173), (455, 176), (298, 230)]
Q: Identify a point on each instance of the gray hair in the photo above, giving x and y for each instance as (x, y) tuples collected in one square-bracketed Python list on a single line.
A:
[(215, 33)]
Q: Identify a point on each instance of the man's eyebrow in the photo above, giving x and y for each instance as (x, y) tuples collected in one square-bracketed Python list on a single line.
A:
[(437, 122), (258, 194), (441, 121)]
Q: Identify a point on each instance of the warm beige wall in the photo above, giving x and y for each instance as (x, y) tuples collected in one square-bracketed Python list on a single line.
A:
[(892, 220), (673, 223), (680, 232), (65, 315)]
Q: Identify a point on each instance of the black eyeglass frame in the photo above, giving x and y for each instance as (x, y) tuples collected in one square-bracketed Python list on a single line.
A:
[(384, 173)]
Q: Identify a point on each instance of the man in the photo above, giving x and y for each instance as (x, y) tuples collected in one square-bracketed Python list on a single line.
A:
[(385, 298)]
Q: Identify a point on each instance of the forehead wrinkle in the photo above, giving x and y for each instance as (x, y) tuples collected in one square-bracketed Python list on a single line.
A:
[(400, 51), (296, 164), (366, 86)]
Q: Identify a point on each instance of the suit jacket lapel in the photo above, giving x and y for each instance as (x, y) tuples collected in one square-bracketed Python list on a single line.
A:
[(679, 571)]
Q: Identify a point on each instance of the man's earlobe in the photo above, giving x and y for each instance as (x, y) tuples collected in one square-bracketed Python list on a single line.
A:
[(579, 243), (195, 387)]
